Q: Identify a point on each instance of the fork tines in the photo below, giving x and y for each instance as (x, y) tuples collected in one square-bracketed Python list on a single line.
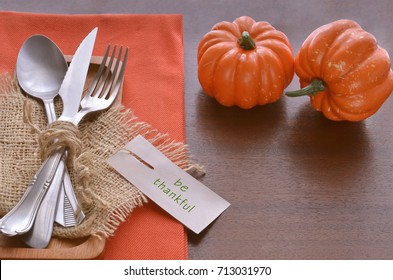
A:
[(105, 84)]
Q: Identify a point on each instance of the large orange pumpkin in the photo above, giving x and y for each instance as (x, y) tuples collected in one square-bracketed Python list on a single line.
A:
[(344, 71), (245, 63)]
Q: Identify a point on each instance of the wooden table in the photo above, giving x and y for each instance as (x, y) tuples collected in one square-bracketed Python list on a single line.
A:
[(301, 186)]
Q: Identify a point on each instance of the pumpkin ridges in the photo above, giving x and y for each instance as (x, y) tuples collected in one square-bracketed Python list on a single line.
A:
[(276, 37), (352, 113), (263, 97), (274, 85), (321, 41), (384, 89), (228, 27), (358, 79), (273, 34), (283, 53), (347, 53), (212, 40), (313, 49), (303, 69), (330, 109), (324, 103), (367, 100), (246, 86), (327, 106), (264, 78), (277, 42), (244, 23), (260, 28), (208, 64), (223, 77)]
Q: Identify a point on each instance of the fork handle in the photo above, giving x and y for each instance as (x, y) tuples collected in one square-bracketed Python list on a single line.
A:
[(68, 212), (20, 219)]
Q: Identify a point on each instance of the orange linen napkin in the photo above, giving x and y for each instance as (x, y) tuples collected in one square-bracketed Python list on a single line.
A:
[(153, 89)]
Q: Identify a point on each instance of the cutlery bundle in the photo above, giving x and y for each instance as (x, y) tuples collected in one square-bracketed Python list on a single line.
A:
[(34, 214)]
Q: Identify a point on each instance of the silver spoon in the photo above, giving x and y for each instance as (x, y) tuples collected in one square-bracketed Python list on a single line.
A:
[(40, 70)]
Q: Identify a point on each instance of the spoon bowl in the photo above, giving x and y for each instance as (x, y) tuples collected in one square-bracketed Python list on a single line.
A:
[(40, 67)]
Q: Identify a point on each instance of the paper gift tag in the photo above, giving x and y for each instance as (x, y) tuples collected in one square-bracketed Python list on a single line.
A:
[(173, 189)]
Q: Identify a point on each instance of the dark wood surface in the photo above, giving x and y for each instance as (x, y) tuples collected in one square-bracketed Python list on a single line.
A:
[(301, 186)]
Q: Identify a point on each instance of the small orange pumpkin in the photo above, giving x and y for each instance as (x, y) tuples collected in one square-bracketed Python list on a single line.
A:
[(344, 71), (245, 63)]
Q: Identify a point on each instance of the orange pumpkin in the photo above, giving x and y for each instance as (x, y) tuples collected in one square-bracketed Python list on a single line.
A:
[(344, 71), (245, 63)]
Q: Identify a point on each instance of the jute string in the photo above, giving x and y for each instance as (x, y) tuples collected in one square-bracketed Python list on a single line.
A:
[(57, 135), (105, 196)]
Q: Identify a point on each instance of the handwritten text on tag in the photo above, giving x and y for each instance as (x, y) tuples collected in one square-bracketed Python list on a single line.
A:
[(177, 192)]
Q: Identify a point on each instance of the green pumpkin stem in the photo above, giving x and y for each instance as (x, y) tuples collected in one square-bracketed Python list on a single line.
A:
[(313, 88), (246, 42)]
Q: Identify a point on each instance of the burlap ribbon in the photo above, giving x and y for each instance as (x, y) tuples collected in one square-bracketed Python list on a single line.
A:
[(106, 198)]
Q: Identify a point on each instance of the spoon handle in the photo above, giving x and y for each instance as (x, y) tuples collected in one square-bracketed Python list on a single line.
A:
[(21, 218), (41, 232)]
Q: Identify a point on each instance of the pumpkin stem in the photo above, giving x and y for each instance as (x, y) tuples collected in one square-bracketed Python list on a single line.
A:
[(313, 88), (246, 42)]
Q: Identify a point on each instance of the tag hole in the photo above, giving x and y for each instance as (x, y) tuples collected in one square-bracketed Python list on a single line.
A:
[(141, 160)]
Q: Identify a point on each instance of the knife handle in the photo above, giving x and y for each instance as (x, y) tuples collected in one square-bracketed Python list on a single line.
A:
[(20, 219)]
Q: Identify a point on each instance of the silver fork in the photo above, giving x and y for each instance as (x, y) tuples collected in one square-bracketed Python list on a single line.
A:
[(103, 90), (101, 95)]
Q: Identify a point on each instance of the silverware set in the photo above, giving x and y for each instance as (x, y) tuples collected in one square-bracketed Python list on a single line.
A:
[(50, 196), (40, 70)]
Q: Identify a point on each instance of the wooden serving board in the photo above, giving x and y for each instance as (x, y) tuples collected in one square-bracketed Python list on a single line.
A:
[(91, 247)]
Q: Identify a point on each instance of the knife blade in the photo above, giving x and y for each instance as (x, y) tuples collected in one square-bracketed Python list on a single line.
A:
[(21, 218), (74, 81)]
